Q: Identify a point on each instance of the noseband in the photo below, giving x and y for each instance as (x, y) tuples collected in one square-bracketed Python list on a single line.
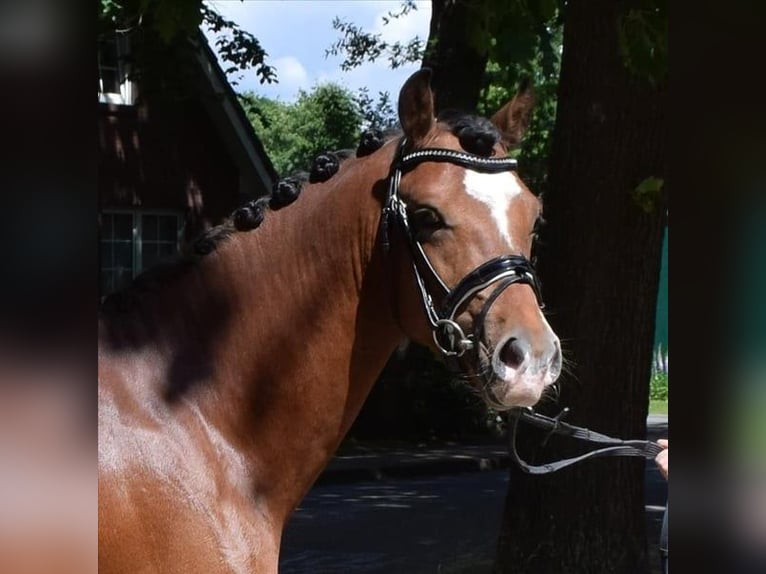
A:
[(502, 271)]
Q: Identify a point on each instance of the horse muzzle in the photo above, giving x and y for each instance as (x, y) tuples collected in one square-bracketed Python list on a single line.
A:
[(521, 368)]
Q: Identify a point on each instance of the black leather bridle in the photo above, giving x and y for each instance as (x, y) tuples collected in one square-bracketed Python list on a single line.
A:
[(502, 271)]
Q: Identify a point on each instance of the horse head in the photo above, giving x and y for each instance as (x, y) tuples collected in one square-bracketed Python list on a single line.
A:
[(464, 226)]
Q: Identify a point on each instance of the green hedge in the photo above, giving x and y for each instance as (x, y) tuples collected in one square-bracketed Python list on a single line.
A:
[(658, 387)]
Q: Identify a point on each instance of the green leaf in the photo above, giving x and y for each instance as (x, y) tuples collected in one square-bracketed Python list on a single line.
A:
[(643, 40), (326, 118), (647, 193), (547, 9), (174, 18)]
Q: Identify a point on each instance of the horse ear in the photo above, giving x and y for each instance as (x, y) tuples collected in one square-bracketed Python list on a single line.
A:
[(416, 105), (513, 118)]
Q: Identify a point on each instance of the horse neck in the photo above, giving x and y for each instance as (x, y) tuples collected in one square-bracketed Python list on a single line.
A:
[(292, 325)]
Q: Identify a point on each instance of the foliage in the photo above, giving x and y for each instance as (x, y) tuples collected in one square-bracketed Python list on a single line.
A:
[(643, 37), (647, 194), (327, 118), (167, 18), (658, 387), (542, 70), (330, 118), (358, 46), (163, 34), (238, 47), (109, 12), (271, 120), (658, 384), (378, 113), (525, 43)]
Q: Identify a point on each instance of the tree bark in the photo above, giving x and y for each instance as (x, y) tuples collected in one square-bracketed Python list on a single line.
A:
[(456, 53), (599, 264)]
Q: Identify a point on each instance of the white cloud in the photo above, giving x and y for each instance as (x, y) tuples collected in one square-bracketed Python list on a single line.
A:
[(291, 73), (404, 29)]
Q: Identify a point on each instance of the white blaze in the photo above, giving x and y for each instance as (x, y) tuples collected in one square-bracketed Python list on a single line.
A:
[(495, 190)]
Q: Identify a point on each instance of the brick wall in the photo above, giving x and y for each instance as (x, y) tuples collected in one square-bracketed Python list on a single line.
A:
[(166, 158)]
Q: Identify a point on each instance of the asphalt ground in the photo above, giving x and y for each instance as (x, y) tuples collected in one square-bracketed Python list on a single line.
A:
[(414, 509)]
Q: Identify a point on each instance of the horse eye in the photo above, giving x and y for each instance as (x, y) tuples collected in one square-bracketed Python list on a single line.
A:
[(426, 220)]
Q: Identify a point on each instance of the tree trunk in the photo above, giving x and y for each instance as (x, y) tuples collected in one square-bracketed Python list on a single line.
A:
[(457, 52), (599, 266)]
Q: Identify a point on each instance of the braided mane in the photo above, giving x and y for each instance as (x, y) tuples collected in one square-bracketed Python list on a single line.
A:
[(476, 134)]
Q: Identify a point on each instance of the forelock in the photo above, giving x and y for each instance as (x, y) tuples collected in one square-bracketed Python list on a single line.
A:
[(476, 134)]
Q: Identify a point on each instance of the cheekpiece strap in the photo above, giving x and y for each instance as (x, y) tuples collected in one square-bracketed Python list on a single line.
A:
[(392, 206)]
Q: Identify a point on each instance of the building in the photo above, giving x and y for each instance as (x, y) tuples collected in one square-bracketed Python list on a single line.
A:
[(169, 167)]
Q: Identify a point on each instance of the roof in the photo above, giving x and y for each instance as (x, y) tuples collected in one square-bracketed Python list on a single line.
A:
[(236, 129)]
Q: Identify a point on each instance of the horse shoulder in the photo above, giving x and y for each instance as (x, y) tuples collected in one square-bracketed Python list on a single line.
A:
[(165, 481)]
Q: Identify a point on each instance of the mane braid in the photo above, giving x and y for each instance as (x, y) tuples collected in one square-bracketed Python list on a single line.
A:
[(373, 139), (244, 218)]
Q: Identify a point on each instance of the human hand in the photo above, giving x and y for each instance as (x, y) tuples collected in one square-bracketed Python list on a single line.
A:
[(662, 458)]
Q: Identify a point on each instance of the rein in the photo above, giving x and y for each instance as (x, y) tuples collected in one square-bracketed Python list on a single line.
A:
[(618, 447), (448, 336)]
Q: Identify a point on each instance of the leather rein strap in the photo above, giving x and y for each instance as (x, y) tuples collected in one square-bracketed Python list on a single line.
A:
[(641, 448)]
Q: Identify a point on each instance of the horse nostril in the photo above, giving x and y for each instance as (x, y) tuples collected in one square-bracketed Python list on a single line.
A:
[(512, 353)]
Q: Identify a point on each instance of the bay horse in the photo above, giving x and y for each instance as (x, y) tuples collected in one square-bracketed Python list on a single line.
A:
[(226, 385)]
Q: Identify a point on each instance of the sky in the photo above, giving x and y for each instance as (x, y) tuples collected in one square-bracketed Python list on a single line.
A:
[(296, 33)]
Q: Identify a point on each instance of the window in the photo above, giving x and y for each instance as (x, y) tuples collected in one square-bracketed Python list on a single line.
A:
[(114, 85), (132, 241), (117, 251)]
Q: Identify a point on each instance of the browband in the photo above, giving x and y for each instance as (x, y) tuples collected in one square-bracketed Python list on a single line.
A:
[(467, 160)]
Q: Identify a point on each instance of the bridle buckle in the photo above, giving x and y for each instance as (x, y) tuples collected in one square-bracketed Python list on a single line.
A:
[(451, 339)]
